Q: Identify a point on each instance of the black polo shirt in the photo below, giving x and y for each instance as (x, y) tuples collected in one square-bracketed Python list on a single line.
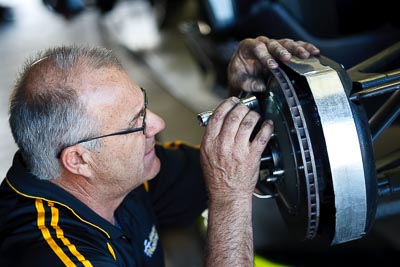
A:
[(43, 225)]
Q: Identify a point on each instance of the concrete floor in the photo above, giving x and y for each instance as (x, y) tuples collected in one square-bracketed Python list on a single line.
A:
[(177, 91)]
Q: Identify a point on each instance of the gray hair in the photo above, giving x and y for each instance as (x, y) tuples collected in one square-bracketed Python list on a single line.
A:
[(46, 113)]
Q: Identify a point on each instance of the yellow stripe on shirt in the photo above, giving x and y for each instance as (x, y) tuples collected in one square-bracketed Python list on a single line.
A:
[(177, 144), (60, 235), (47, 236), (111, 251)]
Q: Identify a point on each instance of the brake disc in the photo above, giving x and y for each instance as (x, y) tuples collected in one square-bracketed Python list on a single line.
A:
[(319, 164)]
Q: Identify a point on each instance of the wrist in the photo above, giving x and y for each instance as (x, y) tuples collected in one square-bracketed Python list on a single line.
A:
[(230, 201)]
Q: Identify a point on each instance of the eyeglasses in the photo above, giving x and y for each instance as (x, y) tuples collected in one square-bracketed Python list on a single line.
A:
[(142, 114)]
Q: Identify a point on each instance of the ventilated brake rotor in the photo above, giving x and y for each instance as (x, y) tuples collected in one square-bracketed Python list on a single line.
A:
[(315, 164)]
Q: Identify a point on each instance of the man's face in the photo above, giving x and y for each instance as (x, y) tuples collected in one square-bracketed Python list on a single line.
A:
[(123, 161)]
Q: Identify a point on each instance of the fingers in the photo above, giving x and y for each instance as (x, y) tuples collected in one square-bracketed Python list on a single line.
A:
[(233, 122), (254, 56), (231, 119), (230, 161), (283, 49), (310, 48), (217, 118), (245, 76), (299, 48), (265, 50), (237, 122), (263, 53), (245, 70), (270, 49), (253, 84), (262, 138), (246, 128)]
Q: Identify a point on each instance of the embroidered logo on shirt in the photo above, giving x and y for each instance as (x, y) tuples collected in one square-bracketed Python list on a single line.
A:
[(150, 244)]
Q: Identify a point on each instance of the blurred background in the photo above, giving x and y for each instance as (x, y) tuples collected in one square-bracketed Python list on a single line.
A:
[(178, 50), (159, 62)]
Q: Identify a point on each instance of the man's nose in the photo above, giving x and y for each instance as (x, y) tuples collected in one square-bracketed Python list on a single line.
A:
[(154, 124)]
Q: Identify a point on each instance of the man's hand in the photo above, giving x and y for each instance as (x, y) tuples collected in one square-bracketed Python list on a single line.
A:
[(230, 161), (254, 56), (231, 164)]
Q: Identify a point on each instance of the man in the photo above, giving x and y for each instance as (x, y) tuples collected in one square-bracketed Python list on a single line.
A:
[(89, 186)]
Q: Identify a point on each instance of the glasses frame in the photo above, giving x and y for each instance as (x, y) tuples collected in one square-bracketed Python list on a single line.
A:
[(122, 132)]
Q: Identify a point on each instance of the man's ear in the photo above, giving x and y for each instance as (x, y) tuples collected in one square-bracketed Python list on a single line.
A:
[(76, 159)]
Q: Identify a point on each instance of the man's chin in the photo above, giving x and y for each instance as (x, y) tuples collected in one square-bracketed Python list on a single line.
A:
[(154, 169)]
